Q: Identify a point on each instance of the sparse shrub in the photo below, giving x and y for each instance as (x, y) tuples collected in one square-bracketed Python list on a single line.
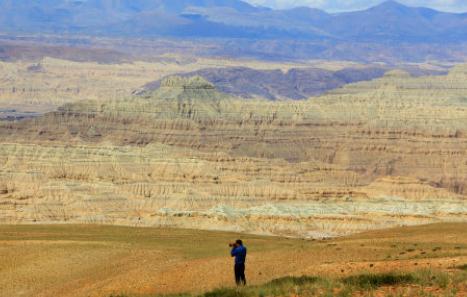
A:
[(227, 292), (294, 281), (345, 292), (369, 281), (428, 277), (363, 284), (262, 293)]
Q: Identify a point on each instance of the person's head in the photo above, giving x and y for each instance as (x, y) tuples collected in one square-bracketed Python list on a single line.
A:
[(239, 242)]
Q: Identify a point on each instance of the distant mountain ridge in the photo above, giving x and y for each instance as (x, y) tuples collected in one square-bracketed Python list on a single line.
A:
[(390, 21)]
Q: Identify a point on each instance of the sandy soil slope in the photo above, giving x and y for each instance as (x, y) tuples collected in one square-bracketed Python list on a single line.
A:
[(97, 260)]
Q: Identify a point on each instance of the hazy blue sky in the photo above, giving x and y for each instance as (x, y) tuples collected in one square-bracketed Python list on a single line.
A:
[(343, 5)]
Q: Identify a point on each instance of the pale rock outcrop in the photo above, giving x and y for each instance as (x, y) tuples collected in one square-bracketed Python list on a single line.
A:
[(376, 154)]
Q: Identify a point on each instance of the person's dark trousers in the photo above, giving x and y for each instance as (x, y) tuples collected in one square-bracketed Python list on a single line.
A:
[(240, 274)]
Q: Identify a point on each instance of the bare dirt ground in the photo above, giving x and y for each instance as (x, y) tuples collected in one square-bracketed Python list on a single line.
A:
[(69, 260)]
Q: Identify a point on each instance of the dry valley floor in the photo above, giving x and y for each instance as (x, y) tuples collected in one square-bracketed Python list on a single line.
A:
[(72, 260)]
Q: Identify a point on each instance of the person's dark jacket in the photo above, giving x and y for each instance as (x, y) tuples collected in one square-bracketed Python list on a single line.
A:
[(239, 253)]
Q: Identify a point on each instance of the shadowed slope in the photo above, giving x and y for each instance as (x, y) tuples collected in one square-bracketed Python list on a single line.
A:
[(295, 83)]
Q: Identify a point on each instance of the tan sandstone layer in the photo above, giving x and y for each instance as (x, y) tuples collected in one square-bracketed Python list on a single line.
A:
[(370, 155)]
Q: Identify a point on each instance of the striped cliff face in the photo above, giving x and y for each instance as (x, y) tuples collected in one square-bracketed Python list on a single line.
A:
[(370, 155)]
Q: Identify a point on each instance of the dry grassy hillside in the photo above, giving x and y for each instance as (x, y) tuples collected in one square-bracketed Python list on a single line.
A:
[(370, 155), (97, 261)]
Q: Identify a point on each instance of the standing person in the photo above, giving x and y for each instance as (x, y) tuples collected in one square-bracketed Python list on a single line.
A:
[(239, 252)]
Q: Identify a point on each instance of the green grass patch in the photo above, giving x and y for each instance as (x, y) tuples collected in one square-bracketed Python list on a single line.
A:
[(293, 281), (369, 281), (225, 292), (278, 287), (428, 277), (343, 287)]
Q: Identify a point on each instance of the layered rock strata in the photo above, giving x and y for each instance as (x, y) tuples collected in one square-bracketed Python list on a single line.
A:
[(370, 155)]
